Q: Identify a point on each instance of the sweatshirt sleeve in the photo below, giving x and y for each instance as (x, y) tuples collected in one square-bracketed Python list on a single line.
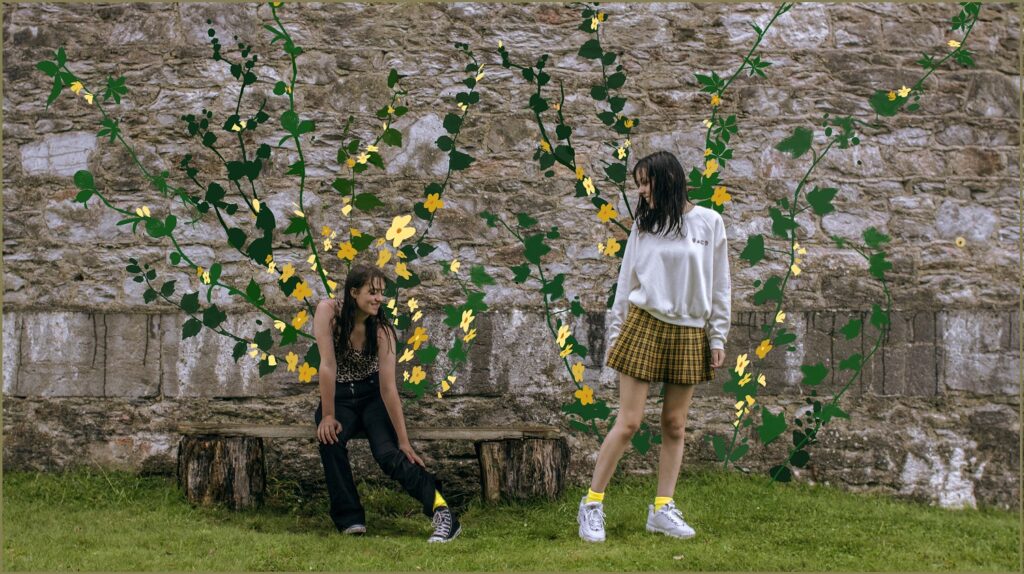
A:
[(721, 290), (627, 280)]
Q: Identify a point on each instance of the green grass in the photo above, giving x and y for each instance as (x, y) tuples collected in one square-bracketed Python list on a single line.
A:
[(87, 520)]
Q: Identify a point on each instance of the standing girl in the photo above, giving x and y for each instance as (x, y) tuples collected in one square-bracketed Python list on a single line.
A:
[(673, 282), (358, 391)]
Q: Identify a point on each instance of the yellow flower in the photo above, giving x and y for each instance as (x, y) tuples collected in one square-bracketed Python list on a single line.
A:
[(588, 185), (417, 316), (419, 337), (405, 376), (363, 157), (454, 267), (433, 202), (347, 208), (628, 123), (271, 360), (579, 173), (417, 376), (469, 336), (545, 146), (328, 244), (707, 123), (306, 373), (611, 248), (960, 242), (600, 16), (500, 44), (279, 325), (402, 271), (750, 400), (88, 98), (715, 100), (892, 95), (621, 153), (594, 22), (302, 291), (707, 152), (795, 269), (565, 352), (463, 107), (383, 256), (745, 379), (142, 211), (406, 356), (372, 148), (350, 162), (256, 205), (607, 213), (903, 92), (276, 4), (447, 383), (413, 304), (763, 348), (799, 250), (239, 126), (293, 361), (585, 395), (741, 364), (76, 87), (760, 380), (287, 271), (206, 277), (780, 317), (557, 106), (710, 167), (563, 334), (288, 89), (333, 286), (577, 371), (721, 195), (953, 44), (299, 213), (467, 318), (398, 232), (346, 251), (391, 110), (254, 350), (479, 76), (300, 319)]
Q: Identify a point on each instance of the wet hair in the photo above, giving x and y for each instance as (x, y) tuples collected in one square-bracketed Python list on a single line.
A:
[(668, 188), (345, 314)]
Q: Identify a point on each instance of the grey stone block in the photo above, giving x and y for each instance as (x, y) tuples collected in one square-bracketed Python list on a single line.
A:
[(133, 355), (12, 351), (63, 355)]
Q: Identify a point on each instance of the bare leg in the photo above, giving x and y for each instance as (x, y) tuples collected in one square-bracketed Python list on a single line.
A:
[(632, 397), (673, 428)]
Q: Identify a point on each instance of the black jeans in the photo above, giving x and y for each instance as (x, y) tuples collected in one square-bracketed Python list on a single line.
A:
[(359, 406)]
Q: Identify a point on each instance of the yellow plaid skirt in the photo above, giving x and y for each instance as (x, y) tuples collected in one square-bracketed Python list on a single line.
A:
[(654, 351)]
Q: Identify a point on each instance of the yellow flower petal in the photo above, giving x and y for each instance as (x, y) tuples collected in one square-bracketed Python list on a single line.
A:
[(607, 213), (383, 256), (780, 317), (469, 336), (293, 361), (585, 395), (577, 371), (454, 267), (565, 352), (741, 363), (588, 185), (406, 356), (306, 372), (763, 348), (402, 271)]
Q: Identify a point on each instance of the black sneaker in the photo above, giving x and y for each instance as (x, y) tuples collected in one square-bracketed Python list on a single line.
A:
[(446, 526)]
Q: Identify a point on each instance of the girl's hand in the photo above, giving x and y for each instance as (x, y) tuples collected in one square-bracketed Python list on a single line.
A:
[(411, 454), (717, 358), (327, 431)]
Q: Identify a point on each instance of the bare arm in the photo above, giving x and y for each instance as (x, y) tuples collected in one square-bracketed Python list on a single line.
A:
[(389, 392), (328, 370)]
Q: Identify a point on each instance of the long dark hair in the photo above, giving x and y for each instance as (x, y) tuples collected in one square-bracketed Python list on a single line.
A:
[(345, 314), (668, 187)]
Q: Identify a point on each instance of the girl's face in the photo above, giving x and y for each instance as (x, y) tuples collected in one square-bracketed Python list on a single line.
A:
[(369, 296), (644, 184)]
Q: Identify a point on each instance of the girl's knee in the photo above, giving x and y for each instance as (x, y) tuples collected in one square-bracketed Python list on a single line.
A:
[(673, 427)]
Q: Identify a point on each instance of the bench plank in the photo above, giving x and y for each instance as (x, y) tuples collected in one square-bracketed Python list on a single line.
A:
[(420, 433)]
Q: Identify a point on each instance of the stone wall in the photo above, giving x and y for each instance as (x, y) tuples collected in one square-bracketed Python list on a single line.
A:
[(92, 375)]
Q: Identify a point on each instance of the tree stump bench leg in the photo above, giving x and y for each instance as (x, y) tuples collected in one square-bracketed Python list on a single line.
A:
[(221, 469), (520, 469)]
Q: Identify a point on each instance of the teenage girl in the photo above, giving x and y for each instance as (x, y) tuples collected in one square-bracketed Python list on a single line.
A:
[(674, 282), (358, 392)]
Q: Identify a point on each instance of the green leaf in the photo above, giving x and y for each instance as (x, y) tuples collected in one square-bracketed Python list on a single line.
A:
[(298, 168), (799, 458), (149, 296), (879, 318), (718, 443), (616, 80), (597, 410), (522, 272), (238, 350), (445, 143), (874, 238), (392, 137), (616, 172), (452, 123), (771, 291), (458, 160), (851, 363), (821, 200), (265, 341), (215, 271), (754, 251), (591, 50), (851, 329), (738, 452), (253, 292), (343, 186), (883, 106), (190, 302), (479, 276), (772, 425), (525, 220), (877, 265), (457, 354), (296, 226), (599, 92), (84, 181), (213, 317), (575, 308), (831, 411), (47, 67), (781, 224), (798, 143), (813, 374), (236, 237), (115, 89), (167, 289), (780, 473), (366, 202), (427, 354), (489, 217), (535, 248), (290, 121), (554, 288), (393, 77), (190, 328)]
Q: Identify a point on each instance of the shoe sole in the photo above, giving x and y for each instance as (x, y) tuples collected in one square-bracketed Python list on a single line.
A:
[(454, 536), (655, 530), (584, 538)]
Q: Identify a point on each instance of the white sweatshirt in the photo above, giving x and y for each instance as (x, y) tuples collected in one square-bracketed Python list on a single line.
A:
[(682, 281)]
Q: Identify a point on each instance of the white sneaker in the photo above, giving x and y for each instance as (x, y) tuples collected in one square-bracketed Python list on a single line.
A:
[(355, 529), (591, 519), (668, 521)]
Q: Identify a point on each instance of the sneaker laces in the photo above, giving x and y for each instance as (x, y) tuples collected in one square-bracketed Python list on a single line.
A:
[(442, 522), (674, 514), (593, 516)]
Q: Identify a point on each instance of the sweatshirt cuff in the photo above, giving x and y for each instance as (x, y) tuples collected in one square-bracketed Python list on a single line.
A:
[(717, 343)]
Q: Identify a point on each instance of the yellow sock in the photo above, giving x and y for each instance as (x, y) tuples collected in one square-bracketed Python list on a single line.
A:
[(438, 500), (594, 496), (660, 501)]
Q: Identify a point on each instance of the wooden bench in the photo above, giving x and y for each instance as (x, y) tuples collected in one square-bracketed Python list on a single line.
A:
[(224, 462)]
